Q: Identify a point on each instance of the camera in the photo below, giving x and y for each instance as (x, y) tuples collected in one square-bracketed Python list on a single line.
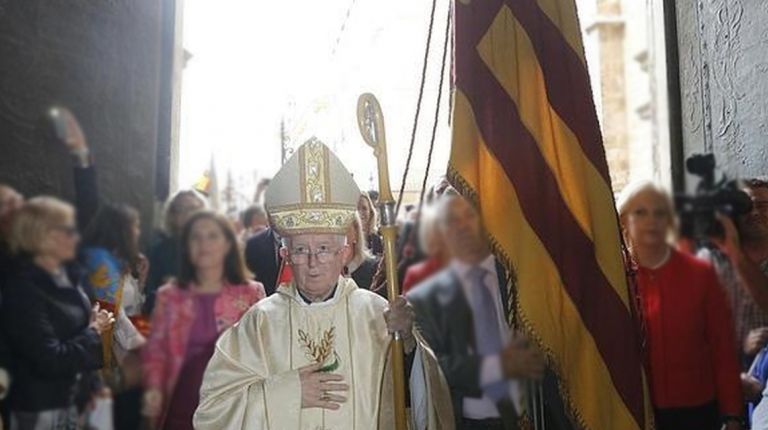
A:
[(698, 211)]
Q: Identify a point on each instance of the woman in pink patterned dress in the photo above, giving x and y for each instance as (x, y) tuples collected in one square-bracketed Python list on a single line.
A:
[(212, 293)]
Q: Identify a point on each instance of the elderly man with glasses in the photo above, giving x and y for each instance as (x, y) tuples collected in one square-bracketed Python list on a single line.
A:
[(315, 354)]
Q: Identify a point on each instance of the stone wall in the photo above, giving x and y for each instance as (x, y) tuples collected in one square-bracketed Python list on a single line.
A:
[(101, 58), (624, 44), (611, 38), (723, 48)]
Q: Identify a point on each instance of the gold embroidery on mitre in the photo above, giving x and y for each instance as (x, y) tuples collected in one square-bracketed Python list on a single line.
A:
[(316, 204), (322, 352), (333, 219), (314, 173)]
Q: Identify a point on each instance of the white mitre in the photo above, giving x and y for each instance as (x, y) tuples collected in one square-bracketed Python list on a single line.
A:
[(312, 193)]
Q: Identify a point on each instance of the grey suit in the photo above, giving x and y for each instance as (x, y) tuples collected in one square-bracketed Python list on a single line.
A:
[(444, 318)]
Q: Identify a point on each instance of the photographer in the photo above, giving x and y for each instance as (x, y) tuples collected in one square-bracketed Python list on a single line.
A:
[(727, 221), (743, 268), (742, 265)]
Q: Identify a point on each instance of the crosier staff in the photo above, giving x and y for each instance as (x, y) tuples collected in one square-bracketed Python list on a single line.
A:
[(371, 122)]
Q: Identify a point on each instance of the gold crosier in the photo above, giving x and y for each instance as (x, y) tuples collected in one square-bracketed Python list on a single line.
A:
[(371, 122)]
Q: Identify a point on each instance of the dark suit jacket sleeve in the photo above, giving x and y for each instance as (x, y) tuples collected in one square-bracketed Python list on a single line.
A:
[(364, 274), (86, 195), (251, 257), (32, 336), (261, 259), (154, 279), (461, 370)]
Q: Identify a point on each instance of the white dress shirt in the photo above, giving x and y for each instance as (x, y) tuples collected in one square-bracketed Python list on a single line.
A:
[(490, 369)]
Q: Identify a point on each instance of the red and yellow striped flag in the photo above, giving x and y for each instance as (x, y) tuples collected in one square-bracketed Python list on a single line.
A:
[(527, 150)]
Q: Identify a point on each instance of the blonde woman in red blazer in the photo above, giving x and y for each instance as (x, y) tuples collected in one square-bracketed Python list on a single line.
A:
[(211, 294), (693, 365)]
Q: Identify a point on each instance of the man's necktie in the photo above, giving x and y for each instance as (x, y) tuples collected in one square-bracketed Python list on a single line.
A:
[(487, 331)]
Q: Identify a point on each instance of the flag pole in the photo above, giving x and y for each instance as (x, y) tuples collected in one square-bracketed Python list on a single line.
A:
[(370, 120)]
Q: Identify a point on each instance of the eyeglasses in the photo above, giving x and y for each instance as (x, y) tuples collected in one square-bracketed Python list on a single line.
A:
[(324, 255), (68, 230)]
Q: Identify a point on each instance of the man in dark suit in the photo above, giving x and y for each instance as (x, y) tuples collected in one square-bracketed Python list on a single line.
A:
[(461, 313), (262, 256)]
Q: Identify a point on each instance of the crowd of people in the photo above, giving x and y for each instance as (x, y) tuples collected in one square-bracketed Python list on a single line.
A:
[(97, 334)]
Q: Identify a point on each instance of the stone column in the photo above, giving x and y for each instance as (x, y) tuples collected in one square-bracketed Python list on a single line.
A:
[(610, 27)]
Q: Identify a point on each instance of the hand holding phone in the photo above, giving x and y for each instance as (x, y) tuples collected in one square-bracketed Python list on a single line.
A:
[(66, 129)]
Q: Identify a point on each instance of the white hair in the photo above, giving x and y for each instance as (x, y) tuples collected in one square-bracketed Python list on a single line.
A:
[(634, 189)]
